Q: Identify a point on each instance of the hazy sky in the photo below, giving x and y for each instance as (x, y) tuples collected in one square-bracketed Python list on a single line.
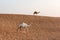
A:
[(46, 7)]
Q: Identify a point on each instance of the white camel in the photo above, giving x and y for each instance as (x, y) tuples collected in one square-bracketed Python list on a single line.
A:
[(36, 12), (23, 25)]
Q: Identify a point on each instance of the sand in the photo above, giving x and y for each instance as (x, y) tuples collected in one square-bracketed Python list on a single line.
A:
[(42, 28)]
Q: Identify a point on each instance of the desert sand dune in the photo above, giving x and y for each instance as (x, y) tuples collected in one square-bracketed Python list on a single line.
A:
[(43, 28)]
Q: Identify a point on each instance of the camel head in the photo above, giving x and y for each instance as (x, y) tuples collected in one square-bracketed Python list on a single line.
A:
[(38, 12)]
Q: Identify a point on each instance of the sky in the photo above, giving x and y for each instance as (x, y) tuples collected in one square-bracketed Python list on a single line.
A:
[(46, 7)]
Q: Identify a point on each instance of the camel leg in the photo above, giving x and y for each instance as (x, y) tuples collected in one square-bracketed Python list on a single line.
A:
[(19, 28), (33, 13)]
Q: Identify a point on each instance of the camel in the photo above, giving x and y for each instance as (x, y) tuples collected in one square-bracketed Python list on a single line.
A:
[(36, 12), (23, 25)]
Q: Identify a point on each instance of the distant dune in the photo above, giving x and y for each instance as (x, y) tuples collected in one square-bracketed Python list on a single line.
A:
[(42, 28)]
